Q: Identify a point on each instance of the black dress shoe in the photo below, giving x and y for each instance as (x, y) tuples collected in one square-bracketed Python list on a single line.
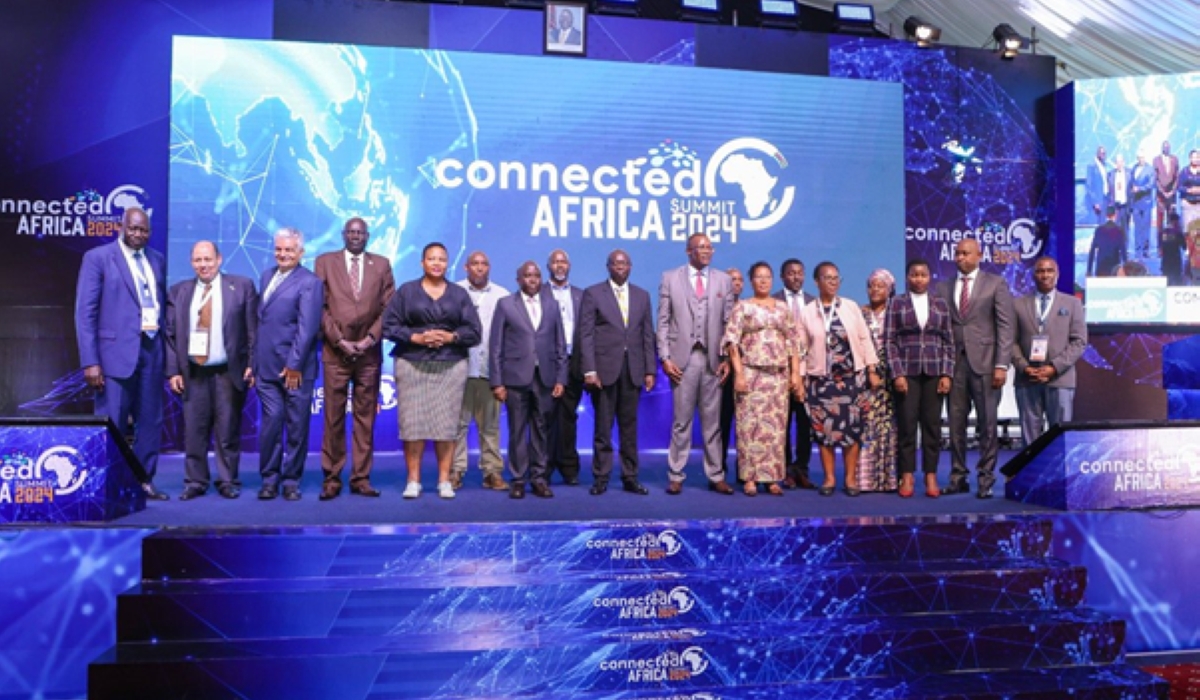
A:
[(267, 493), (364, 490), (956, 487), (984, 494), (635, 487), (229, 491), (517, 491), (826, 491), (191, 492), (541, 490), (571, 480), (153, 494), (291, 493), (598, 489)]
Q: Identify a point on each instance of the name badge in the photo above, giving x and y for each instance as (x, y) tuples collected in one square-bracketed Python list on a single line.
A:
[(149, 319), (198, 342), (1039, 348)]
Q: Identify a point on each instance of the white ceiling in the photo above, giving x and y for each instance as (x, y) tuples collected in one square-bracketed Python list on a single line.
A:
[(1090, 38)]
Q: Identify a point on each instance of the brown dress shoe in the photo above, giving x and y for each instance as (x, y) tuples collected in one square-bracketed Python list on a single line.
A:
[(364, 489), (675, 488), (541, 490), (494, 482), (720, 487)]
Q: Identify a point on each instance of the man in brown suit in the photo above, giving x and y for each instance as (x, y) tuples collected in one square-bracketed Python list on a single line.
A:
[(1166, 180), (358, 286)]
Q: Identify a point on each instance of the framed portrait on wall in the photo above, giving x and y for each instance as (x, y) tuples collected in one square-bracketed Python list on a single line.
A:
[(566, 28)]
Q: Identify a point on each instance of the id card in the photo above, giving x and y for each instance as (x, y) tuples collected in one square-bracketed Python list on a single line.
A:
[(1039, 348), (149, 319), (198, 342)]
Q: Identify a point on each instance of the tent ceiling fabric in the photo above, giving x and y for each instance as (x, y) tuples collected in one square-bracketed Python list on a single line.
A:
[(1089, 38)]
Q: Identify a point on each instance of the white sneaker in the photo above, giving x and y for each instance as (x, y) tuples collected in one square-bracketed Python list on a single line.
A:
[(413, 489), (445, 489)]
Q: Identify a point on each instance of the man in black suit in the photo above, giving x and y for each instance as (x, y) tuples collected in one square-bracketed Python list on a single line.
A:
[(210, 327), (792, 274), (617, 351), (562, 430), (528, 356), (1108, 248)]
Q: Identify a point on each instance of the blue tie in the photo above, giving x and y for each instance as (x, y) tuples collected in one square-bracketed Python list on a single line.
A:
[(1043, 304), (144, 286)]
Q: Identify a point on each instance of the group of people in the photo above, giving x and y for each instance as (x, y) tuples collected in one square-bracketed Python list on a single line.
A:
[(781, 371), (1121, 200)]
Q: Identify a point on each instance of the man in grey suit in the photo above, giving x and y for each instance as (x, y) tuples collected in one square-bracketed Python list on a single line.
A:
[(528, 357), (211, 323), (981, 321), (694, 302), (1051, 337), (285, 365), (616, 335)]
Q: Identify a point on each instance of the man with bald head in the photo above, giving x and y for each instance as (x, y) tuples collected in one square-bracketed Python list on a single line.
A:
[(212, 319), (981, 320), (357, 286), (119, 304)]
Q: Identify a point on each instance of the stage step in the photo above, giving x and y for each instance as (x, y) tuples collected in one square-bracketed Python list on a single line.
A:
[(567, 661), (959, 607), (551, 549), (355, 606)]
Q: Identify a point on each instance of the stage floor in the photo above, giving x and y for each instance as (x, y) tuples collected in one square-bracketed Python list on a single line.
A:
[(570, 503)]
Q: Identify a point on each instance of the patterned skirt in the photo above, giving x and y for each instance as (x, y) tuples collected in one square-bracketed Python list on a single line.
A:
[(762, 415), (429, 398)]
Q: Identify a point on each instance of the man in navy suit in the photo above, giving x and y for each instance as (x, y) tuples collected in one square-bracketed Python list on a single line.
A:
[(617, 339), (981, 321), (1141, 177), (528, 357), (119, 304), (211, 322), (562, 431), (793, 294), (285, 365), (1096, 190)]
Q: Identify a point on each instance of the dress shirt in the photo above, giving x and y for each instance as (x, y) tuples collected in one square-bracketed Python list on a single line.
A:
[(274, 283), (693, 273), (795, 301), (622, 293), (534, 306), (485, 300), (974, 277), (216, 332), (566, 307), (920, 303), (362, 260), (142, 274)]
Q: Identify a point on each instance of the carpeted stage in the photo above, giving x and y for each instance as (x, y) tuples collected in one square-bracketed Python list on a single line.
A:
[(570, 503)]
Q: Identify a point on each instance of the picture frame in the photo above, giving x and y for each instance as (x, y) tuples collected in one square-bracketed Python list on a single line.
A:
[(570, 40)]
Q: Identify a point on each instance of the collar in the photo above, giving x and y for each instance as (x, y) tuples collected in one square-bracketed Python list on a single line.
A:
[(216, 281), (618, 287), (566, 287), (528, 298), (972, 275), (486, 289)]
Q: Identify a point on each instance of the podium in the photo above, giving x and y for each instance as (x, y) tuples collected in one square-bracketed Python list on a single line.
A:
[(1114, 465), (67, 469)]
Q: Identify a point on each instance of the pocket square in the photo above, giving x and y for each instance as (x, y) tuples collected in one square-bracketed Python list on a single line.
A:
[(1063, 312)]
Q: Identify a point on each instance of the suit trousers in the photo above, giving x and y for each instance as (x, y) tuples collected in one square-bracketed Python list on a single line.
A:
[(283, 431), (727, 413), (920, 408), (563, 431), (212, 406), (698, 389), (529, 411), (797, 462), (1042, 406), (364, 374), (618, 401), (138, 396), (480, 405), (969, 389)]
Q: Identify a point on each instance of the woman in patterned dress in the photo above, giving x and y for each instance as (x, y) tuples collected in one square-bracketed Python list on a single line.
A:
[(877, 463), (839, 363), (762, 342)]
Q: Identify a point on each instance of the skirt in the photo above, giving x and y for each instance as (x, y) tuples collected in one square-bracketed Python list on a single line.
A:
[(429, 398)]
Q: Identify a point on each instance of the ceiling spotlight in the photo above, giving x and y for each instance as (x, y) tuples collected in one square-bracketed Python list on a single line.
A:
[(924, 33), (1008, 41)]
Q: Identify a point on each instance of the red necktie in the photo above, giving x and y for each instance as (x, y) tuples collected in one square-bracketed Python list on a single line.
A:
[(964, 297), (699, 285)]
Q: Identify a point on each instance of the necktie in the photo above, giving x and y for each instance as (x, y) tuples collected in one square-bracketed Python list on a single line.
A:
[(1043, 304), (621, 302), (535, 312), (964, 297), (204, 323), (147, 299), (355, 274), (699, 285), (271, 287)]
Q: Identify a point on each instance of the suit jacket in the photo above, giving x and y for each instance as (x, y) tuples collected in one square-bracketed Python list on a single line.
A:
[(573, 370), (239, 325), (782, 295), (1166, 174), (1141, 178), (912, 350), (573, 38), (606, 342), (288, 323), (1112, 187), (1097, 188), (345, 318), (987, 330), (677, 308), (516, 351), (1066, 328), (108, 308), (812, 334)]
